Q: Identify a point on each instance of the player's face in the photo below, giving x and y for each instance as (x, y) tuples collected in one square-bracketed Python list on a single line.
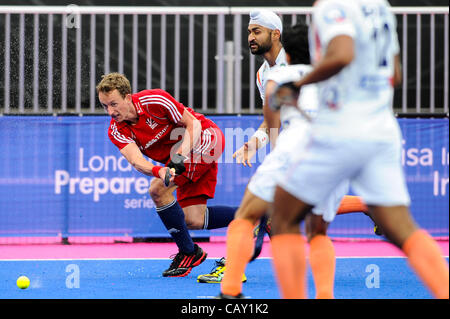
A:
[(115, 105), (259, 39)]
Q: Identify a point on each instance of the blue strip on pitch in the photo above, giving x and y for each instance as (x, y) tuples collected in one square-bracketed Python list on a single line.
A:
[(356, 278)]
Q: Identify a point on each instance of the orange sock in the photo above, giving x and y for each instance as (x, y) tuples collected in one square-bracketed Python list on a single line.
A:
[(289, 260), (322, 260), (240, 246), (352, 204), (425, 257)]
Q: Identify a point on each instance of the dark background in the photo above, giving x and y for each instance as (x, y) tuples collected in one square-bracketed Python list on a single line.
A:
[(207, 2), (411, 77)]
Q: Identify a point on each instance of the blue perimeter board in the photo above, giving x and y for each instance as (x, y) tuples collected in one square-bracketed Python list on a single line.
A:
[(77, 183)]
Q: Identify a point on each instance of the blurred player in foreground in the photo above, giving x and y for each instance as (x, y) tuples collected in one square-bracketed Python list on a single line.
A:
[(154, 124), (354, 136), (259, 194), (264, 39)]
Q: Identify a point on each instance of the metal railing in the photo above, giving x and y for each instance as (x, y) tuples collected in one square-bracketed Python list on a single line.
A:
[(51, 57)]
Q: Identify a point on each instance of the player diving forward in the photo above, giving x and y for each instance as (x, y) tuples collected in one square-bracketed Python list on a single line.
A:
[(259, 193)]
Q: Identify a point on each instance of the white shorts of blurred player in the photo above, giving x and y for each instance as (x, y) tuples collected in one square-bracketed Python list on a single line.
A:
[(290, 144), (373, 168)]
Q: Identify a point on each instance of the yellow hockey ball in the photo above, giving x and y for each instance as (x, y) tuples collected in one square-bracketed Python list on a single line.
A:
[(23, 282)]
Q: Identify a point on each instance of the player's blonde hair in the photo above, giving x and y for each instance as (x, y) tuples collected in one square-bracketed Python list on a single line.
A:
[(114, 81)]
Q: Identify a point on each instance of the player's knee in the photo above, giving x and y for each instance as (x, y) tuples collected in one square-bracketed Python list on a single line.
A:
[(395, 221), (251, 215), (156, 190), (252, 208), (194, 222), (311, 233), (314, 226), (194, 216)]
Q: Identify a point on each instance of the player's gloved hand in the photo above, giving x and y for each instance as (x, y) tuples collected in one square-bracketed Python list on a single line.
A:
[(285, 94), (177, 162), (175, 166)]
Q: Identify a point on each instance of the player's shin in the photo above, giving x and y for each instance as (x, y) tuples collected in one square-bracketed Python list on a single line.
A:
[(289, 261), (425, 257), (322, 260), (239, 251), (172, 217)]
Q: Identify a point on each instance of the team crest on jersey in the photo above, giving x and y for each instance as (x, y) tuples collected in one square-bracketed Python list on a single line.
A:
[(334, 15), (151, 123), (330, 98)]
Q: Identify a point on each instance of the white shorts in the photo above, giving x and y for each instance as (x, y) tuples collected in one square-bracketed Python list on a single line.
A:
[(272, 170), (373, 168), (277, 162), (328, 208)]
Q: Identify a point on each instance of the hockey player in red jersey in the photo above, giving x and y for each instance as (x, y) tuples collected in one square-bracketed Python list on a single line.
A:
[(186, 143)]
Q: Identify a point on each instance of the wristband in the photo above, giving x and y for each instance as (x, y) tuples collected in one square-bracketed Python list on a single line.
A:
[(263, 138), (155, 171)]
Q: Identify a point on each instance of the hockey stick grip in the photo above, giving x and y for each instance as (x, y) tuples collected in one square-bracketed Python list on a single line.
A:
[(167, 177)]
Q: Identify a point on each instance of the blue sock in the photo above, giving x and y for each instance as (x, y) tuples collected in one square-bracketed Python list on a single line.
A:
[(218, 216), (172, 217)]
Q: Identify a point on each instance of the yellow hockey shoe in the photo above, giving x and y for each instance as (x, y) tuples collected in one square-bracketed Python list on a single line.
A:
[(216, 274)]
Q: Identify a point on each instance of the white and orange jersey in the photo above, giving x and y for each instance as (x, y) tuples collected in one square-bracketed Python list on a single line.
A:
[(264, 70), (357, 100), (307, 100)]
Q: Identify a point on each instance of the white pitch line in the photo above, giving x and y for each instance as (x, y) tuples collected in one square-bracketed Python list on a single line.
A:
[(152, 258), (213, 297), (71, 259)]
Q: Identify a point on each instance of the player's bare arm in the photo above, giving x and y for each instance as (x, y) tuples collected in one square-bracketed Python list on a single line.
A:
[(271, 117), (339, 54), (192, 134), (397, 78), (134, 156)]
